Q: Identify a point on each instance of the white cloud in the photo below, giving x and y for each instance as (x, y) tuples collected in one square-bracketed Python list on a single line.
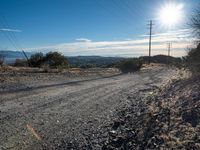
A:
[(83, 40), (10, 30), (180, 39)]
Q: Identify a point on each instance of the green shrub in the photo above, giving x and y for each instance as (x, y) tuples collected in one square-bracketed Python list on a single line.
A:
[(51, 59), (56, 60), (130, 65), (1, 60), (193, 59), (36, 60)]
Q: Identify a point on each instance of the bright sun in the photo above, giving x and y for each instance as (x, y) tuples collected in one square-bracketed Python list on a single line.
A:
[(171, 14)]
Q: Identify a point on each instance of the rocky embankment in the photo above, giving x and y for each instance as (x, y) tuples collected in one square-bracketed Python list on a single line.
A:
[(168, 119)]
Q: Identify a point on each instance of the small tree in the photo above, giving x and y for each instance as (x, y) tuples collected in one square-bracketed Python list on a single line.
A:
[(195, 22), (56, 60), (37, 59), (1, 60), (130, 65), (193, 57)]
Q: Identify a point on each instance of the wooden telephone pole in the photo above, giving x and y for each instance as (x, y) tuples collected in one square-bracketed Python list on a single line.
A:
[(150, 37), (169, 45)]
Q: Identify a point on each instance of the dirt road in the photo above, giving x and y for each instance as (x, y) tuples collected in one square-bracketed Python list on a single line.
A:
[(45, 115)]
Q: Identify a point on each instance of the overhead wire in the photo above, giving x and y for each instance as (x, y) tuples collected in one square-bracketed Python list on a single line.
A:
[(112, 13), (125, 4), (12, 37)]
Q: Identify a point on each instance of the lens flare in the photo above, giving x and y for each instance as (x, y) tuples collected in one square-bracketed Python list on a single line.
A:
[(171, 14)]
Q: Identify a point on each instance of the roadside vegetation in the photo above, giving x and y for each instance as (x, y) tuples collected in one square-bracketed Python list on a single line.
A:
[(55, 60), (1, 60), (130, 65), (50, 60), (193, 57), (163, 59)]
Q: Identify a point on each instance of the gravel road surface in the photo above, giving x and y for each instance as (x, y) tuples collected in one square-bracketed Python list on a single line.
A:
[(45, 115)]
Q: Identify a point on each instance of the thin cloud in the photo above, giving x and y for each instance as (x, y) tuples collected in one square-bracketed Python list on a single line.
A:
[(83, 40), (131, 47), (10, 30), (174, 33)]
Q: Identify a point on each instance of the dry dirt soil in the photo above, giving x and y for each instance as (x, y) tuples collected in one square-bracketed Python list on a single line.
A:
[(43, 112)]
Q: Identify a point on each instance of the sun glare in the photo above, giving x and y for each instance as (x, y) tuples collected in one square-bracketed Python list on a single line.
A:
[(171, 14)]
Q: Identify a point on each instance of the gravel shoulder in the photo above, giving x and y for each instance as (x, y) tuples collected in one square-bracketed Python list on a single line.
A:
[(63, 113)]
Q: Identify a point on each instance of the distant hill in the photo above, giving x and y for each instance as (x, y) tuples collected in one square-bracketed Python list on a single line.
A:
[(162, 59), (98, 61), (76, 61), (93, 61), (11, 56)]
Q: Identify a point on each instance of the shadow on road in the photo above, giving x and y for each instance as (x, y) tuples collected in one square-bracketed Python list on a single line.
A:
[(55, 85)]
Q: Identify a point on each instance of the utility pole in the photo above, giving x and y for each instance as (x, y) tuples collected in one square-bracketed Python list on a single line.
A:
[(150, 36), (169, 49), (26, 58)]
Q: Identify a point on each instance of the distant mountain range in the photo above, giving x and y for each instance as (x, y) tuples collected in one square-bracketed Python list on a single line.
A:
[(93, 61), (11, 56), (89, 61), (163, 59), (80, 61)]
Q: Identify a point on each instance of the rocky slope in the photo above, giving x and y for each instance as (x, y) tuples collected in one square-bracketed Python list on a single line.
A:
[(166, 118)]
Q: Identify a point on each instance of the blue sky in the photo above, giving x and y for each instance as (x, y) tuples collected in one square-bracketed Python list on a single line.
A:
[(91, 27)]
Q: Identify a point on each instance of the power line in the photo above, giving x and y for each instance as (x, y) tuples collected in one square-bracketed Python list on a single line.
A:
[(7, 35), (12, 38), (124, 6), (131, 10), (113, 13), (12, 35), (9, 39)]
